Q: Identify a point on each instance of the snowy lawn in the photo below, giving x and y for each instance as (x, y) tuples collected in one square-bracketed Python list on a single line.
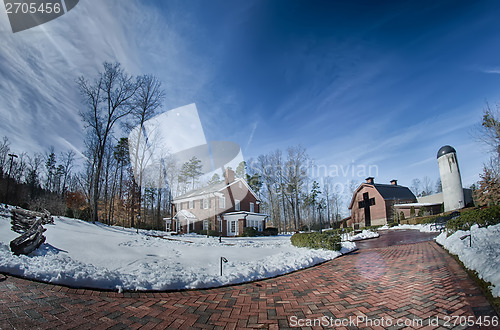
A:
[(82, 254), (483, 256)]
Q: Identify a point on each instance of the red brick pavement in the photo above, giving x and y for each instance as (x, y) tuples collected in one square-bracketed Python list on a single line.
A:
[(405, 282)]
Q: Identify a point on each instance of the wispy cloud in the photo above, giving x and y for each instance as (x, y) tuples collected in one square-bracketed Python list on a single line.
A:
[(39, 100)]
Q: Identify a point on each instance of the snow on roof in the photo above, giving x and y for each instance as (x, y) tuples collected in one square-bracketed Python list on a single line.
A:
[(416, 204), (217, 187), (186, 214)]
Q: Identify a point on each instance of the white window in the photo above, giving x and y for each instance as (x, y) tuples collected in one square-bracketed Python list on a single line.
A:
[(222, 202), (251, 207), (233, 226), (236, 204), (220, 224), (240, 185), (191, 204), (205, 203), (205, 224)]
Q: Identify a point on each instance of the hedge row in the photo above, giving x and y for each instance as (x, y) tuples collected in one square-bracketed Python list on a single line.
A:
[(338, 231), (481, 217), (327, 240)]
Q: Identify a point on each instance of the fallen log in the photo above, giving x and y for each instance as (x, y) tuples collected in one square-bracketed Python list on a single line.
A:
[(20, 223), (30, 240), (45, 215)]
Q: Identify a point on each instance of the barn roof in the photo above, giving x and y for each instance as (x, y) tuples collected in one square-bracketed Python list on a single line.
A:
[(394, 192)]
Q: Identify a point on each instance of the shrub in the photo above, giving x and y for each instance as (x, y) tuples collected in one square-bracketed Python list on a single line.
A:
[(270, 231), (373, 228), (401, 215), (210, 232), (412, 211), (328, 240), (481, 217), (249, 232), (422, 211)]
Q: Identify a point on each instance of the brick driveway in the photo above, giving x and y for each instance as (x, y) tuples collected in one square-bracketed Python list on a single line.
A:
[(386, 284)]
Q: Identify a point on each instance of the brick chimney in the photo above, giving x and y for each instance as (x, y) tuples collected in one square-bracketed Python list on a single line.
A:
[(229, 176), (369, 180), (394, 182)]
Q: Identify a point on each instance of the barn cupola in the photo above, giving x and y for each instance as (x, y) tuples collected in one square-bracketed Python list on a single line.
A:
[(394, 182), (370, 180)]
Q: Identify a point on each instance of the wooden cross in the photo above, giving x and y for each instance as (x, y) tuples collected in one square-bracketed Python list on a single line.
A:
[(365, 204)]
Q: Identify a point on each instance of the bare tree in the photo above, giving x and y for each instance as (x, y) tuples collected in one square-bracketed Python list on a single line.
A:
[(67, 162), (416, 187), (427, 186), (296, 178), (439, 187), (4, 155), (108, 99), (489, 131)]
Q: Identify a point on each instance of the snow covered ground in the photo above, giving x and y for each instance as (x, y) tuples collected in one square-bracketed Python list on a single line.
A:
[(425, 228), (483, 256), (82, 254), (365, 234)]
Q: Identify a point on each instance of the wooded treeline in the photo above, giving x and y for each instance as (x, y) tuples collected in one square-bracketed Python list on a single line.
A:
[(292, 198)]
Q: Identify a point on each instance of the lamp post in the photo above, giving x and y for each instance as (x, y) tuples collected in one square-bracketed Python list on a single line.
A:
[(319, 213), (222, 261), (12, 156)]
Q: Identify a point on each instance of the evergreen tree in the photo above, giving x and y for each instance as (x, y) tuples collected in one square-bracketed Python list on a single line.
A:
[(191, 170)]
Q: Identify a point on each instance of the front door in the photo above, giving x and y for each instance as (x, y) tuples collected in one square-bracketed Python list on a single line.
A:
[(232, 227)]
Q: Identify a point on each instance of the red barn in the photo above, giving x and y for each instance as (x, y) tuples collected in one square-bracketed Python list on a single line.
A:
[(372, 203)]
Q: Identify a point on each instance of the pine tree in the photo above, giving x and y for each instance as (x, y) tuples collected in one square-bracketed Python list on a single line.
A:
[(191, 170)]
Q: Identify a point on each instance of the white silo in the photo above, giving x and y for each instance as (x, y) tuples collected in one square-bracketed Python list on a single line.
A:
[(453, 193)]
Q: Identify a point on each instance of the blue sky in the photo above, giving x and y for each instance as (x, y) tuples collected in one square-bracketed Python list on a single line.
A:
[(380, 83)]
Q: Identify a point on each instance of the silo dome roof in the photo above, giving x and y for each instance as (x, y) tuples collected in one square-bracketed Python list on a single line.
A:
[(445, 150)]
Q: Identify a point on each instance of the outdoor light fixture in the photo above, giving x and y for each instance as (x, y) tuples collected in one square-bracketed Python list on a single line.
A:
[(470, 239), (222, 260)]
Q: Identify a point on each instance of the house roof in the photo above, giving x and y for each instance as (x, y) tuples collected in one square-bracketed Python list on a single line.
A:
[(389, 192), (202, 191), (217, 187)]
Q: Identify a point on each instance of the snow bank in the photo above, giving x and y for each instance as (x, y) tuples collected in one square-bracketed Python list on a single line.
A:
[(425, 228), (81, 254), (483, 256), (365, 234)]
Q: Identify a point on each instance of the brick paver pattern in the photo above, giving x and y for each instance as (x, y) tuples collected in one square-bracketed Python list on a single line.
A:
[(405, 282)]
